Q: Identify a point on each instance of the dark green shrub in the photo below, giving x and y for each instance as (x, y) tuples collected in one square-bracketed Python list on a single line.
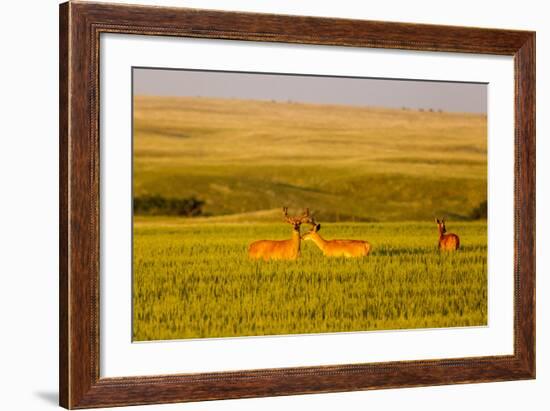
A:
[(159, 205), (479, 212)]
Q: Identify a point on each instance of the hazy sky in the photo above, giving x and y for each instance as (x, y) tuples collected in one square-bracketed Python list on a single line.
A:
[(447, 96)]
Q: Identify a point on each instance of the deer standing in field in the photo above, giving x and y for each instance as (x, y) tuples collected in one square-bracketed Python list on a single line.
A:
[(336, 248), (281, 249), (447, 242)]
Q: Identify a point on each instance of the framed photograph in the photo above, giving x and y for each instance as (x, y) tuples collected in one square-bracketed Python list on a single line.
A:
[(258, 205)]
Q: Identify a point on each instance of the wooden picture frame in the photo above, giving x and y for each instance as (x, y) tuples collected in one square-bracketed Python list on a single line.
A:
[(80, 27)]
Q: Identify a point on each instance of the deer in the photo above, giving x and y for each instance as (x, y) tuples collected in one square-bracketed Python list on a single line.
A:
[(447, 242), (281, 249), (336, 248)]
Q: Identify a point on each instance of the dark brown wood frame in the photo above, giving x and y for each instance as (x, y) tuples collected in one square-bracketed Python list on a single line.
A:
[(81, 24)]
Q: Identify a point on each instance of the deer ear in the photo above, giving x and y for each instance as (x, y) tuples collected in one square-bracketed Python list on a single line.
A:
[(317, 227), (437, 220)]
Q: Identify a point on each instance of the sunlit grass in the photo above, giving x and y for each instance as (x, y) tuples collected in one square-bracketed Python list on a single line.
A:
[(195, 280)]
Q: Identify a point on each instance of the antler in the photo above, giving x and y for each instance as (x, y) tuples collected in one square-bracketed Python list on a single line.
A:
[(306, 218), (285, 211)]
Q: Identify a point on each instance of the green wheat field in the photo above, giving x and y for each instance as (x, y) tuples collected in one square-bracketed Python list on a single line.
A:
[(380, 175)]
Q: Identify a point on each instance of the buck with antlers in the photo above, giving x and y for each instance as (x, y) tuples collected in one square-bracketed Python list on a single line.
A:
[(447, 242), (336, 248), (281, 249)]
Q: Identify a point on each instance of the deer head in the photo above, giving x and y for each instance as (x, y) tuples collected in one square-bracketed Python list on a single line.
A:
[(314, 227), (441, 226), (297, 221)]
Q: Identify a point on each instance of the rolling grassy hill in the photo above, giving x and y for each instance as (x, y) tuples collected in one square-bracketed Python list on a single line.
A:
[(346, 163)]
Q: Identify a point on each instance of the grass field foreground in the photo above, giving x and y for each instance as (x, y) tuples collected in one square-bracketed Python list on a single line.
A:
[(193, 280)]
